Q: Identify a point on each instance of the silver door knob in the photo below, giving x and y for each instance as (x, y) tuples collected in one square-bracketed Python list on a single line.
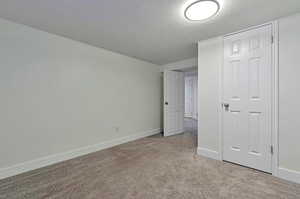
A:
[(226, 105)]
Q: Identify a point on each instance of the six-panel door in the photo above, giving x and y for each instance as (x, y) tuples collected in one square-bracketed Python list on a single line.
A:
[(173, 102), (247, 90)]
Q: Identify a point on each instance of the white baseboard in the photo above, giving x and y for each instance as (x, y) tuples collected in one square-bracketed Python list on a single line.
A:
[(283, 173), (56, 158), (290, 175), (208, 153), (174, 133)]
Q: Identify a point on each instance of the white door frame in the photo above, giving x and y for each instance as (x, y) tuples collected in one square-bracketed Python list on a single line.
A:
[(275, 97)]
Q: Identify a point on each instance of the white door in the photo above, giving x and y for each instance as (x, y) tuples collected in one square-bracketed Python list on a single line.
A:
[(195, 97), (188, 97), (247, 98), (173, 102)]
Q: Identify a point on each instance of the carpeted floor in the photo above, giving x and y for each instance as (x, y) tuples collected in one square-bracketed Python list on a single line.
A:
[(150, 168)]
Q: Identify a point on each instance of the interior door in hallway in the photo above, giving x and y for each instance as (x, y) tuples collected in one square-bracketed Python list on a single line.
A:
[(247, 98), (188, 97), (173, 102)]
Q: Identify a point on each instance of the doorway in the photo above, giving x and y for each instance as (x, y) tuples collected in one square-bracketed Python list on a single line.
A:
[(181, 101), (191, 101)]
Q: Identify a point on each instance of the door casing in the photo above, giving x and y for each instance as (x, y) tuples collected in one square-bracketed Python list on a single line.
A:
[(274, 101)]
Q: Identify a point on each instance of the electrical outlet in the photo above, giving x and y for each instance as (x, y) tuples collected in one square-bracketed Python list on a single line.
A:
[(117, 129)]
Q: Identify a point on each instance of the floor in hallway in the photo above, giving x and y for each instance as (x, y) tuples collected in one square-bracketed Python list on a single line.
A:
[(191, 125)]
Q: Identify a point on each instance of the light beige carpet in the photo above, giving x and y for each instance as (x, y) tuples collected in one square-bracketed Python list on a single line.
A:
[(150, 168)]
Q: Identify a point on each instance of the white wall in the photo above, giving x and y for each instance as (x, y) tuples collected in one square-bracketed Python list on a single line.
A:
[(289, 97), (210, 57), (58, 95)]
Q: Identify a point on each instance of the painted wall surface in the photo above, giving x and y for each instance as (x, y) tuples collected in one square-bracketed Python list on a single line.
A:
[(289, 97), (210, 57), (59, 95)]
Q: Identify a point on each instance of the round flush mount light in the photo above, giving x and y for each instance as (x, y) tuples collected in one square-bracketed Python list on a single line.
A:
[(202, 10)]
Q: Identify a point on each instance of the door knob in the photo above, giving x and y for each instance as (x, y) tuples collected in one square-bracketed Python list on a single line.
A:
[(166, 103), (226, 106)]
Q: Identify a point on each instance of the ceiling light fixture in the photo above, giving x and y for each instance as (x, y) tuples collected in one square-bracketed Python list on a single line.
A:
[(201, 10)]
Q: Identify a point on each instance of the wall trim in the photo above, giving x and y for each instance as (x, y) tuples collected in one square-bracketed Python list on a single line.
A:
[(183, 64), (275, 102), (288, 174), (56, 158), (208, 153), (174, 133)]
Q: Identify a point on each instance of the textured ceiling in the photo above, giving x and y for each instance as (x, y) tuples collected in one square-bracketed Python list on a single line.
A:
[(151, 30)]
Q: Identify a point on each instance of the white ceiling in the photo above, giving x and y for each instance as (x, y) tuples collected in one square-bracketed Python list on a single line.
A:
[(151, 30)]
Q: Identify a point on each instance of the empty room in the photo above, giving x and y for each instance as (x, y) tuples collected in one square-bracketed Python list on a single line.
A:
[(150, 99)]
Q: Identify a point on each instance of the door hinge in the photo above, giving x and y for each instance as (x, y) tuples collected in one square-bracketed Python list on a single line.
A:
[(272, 150), (272, 39)]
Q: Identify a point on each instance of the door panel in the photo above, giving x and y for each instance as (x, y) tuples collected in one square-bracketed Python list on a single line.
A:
[(254, 133), (188, 97), (247, 90), (254, 83), (174, 102)]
